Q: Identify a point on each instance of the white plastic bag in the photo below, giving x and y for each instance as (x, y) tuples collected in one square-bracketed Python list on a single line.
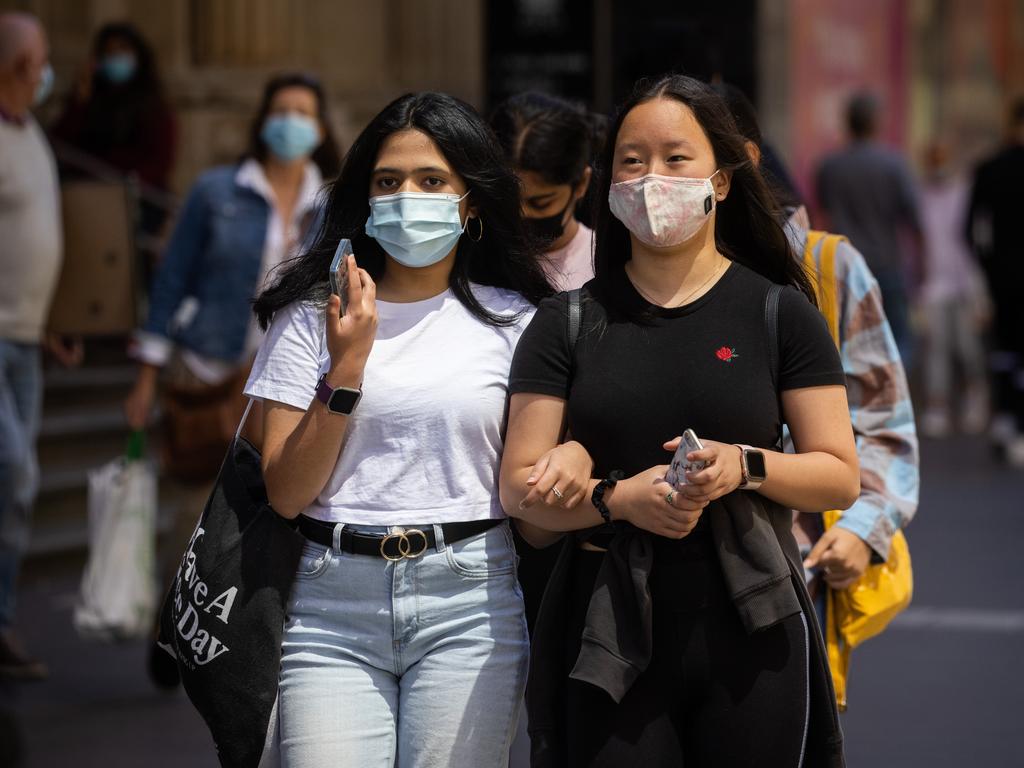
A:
[(118, 593)]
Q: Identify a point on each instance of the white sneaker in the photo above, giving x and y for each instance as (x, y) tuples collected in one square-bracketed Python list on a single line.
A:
[(935, 423)]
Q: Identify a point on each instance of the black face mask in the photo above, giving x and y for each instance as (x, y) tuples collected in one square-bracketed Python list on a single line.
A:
[(549, 228)]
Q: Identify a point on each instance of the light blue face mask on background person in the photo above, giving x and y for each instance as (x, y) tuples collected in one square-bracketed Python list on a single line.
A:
[(291, 136), (417, 229), (119, 67), (45, 87)]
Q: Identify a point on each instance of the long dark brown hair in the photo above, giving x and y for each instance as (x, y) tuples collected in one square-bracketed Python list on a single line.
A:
[(326, 156), (747, 226)]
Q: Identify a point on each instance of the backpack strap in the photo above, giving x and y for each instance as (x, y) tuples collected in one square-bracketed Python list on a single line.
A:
[(574, 318), (820, 262), (771, 322)]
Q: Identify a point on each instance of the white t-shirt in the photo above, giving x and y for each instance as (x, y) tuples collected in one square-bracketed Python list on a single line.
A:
[(424, 443), (31, 235)]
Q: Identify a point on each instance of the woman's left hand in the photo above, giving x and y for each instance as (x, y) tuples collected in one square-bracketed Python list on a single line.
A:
[(560, 477), (722, 472)]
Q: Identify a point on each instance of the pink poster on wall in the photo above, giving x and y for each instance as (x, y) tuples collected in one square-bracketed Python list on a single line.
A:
[(838, 48)]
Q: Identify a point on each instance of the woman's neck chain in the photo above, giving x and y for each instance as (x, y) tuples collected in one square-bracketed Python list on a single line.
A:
[(692, 293)]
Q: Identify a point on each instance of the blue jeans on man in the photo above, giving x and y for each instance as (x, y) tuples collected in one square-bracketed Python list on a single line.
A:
[(20, 405)]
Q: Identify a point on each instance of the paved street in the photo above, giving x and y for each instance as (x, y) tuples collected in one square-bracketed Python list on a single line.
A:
[(943, 687)]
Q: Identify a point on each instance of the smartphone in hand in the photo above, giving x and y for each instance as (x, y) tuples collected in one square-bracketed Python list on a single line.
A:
[(677, 470), (338, 273)]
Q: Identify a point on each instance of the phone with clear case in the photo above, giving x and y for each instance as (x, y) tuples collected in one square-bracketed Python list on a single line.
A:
[(338, 273), (677, 470)]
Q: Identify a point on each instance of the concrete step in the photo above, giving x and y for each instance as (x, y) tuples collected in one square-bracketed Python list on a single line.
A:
[(53, 540), (103, 377)]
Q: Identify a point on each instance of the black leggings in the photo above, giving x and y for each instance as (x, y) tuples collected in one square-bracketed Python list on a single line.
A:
[(712, 696)]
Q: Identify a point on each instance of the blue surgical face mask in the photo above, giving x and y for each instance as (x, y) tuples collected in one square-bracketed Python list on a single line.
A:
[(417, 229), (119, 68), (45, 86), (291, 135)]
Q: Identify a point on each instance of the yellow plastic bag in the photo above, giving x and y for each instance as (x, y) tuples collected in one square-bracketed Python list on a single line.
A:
[(865, 608)]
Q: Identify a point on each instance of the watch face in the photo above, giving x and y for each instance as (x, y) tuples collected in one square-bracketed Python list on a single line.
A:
[(755, 465), (344, 400)]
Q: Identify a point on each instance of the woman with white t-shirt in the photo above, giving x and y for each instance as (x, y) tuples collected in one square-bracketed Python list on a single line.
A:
[(382, 435), (551, 144)]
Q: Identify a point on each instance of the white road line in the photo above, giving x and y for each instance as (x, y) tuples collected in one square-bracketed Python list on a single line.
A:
[(960, 619)]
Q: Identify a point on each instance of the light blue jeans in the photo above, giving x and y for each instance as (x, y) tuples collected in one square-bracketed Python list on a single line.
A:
[(21, 393), (417, 663)]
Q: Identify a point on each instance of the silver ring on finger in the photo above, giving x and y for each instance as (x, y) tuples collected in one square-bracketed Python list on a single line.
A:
[(558, 494), (670, 497)]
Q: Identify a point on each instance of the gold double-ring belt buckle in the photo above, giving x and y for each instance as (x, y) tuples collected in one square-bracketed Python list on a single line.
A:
[(404, 539)]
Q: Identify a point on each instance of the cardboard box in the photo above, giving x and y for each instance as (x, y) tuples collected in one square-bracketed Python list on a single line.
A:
[(97, 290)]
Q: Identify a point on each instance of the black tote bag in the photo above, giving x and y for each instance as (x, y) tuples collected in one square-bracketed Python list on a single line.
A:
[(224, 616)]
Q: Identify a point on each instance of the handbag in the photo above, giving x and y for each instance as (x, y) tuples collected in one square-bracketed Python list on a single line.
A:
[(866, 607), (223, 618), (198, 422)]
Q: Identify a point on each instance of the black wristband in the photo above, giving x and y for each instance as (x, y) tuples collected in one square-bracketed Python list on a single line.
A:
[(597, 497)]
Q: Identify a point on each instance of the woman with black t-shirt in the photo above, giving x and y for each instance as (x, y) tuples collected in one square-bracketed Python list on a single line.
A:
[(685, 631)]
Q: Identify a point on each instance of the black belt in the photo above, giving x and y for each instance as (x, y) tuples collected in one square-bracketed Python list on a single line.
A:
[(403, 542)]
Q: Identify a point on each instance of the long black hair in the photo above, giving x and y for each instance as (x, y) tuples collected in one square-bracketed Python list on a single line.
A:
[(502, 257), (326, 156), (552, 137), (748, 226), (547, 135), (119, 114), (774, 172)]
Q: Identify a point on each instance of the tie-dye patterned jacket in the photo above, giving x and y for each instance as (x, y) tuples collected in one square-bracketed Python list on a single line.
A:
[(880, 407)]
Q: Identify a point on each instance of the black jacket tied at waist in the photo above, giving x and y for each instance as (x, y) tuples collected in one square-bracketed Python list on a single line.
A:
[(764, 577)]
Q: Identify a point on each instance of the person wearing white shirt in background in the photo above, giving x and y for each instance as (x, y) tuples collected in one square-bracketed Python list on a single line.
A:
[(30, 261)]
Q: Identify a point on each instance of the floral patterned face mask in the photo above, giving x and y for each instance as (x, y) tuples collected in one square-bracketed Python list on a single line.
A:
[(663, 211)]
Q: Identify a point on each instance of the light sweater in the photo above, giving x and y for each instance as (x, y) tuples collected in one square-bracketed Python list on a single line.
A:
[(31, 237)]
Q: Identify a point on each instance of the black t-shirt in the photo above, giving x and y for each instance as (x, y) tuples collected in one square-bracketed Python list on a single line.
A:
[(632, 385)]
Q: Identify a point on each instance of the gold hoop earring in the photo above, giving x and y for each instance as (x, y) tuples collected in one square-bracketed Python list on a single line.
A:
[(480, 234)]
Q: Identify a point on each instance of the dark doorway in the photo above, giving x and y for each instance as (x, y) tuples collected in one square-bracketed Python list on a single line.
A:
[(594, 50)]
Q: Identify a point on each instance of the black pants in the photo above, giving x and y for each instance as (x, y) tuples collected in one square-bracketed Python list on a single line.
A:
[(712, 696)]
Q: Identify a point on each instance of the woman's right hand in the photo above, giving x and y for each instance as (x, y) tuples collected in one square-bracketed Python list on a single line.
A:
[(642, 501), (139, 403), (350, 337)]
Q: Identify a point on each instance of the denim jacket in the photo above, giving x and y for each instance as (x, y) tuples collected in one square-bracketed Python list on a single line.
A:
[(213, 257)]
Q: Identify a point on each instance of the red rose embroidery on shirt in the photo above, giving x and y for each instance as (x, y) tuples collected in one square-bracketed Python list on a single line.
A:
[(726, 354)]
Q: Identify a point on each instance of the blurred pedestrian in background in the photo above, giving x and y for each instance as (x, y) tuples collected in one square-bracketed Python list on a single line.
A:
[(955, 302), (237, 225), (117, 114), (869, 195), (994, 227), (30, 260), (551, 144)]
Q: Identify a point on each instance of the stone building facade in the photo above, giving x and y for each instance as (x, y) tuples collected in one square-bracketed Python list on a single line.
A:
[(214, 56)]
